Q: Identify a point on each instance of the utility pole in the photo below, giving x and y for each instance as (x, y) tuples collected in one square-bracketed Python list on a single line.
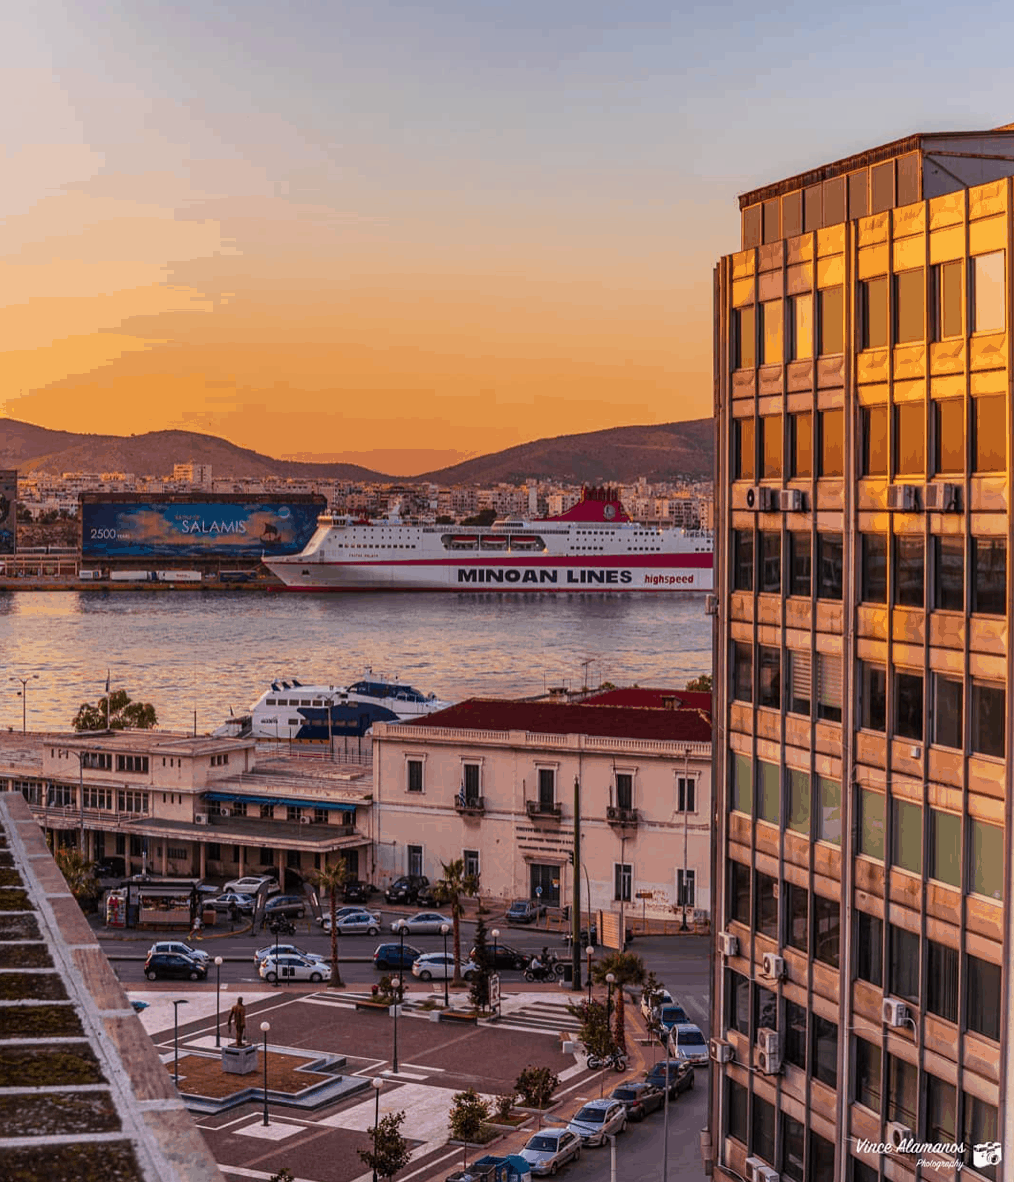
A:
[(575, 910)]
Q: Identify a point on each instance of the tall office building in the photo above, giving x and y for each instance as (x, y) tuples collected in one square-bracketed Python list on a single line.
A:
[(861, 1000)]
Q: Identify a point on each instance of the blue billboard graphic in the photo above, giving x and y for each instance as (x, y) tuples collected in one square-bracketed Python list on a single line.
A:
[(212, 529)]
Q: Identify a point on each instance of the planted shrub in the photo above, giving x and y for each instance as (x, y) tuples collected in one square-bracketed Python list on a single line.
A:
[(536, 1086)]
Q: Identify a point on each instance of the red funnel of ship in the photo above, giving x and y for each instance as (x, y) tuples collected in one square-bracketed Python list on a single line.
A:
[(596, 505)]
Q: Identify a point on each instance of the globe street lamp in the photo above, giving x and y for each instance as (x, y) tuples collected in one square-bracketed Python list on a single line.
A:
[(265, 1027), (24, 697), (610, 982), (589, 952), (401, 991), (496, 936), (218, 995), (444, 929), (377, 1084), (182, 1001)]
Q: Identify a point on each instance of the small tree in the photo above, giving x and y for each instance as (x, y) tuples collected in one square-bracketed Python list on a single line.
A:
[(80, 875), (122, 713), (536, 1086), (482, 958), (651, 995), (389, 1151), (502, 1105), (453, 889), (700, 684), (332, 879), (469, 1112), (628, 969), (594, 1035)]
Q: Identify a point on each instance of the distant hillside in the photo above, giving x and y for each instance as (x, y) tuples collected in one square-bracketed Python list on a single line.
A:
[(615, 455), (618, 454)]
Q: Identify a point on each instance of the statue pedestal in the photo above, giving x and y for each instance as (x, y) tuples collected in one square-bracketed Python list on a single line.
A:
[(239, 1060)]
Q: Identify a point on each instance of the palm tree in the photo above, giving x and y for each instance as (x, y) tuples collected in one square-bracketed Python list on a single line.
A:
[(628, 969), (332, 879), (453, 889)]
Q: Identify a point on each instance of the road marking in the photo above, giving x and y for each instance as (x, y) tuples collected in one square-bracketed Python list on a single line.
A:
[(423, 1067), (398, 1075)]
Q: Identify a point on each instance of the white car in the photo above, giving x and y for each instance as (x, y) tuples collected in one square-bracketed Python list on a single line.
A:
[(285, 950), (294, 968), (343, 913), (662, 998), (178, 948), (597, 1119), (686, 1042), (437, 965), (421, 923), (251, 885), (551, 1148), (359, 923)]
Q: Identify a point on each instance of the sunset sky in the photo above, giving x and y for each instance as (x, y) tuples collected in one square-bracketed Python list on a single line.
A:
[(443, 228)]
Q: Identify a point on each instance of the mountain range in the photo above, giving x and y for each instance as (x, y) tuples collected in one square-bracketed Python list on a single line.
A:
[(615, 455)]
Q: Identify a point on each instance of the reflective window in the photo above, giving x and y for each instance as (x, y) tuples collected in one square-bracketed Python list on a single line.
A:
[(949, 572), (739, 892), (873, 313), (874, 568), (736, 1107), (830, 321), (742, 672), (871, 824), (903, 950), (941, 1111), (832, 442), (794, 1034), (906, 838), (985, 859), (942, 980), (799, 564), (947, 320), (909, 296), (949, 433), (771, 562), (869, 932), (948, 711), (978, 1125), (771, 333), (744, 326), (873, 696), (771, 446), (766, 905), (866, 1090), (763, 1129), (989, 719), (909, 570), (902, 1092), (742, 566), (802, 327), (826, 929), (738, 1018), (742, 785), (825, 1050), (875, 440), (910, 438), (982, 988), (990, 433), (828, 810), (945, 847), (767, 791), (801, 442), (828, 687), (988, 294), (797, 916), (798, 803), (793, 1156), (989, 587), (769, 678), (743, 436), (829, 561)]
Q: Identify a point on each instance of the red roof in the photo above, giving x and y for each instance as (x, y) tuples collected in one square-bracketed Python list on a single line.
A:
[(559, 718), (653, 699)]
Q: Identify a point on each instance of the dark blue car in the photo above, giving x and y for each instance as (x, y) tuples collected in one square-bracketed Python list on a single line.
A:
[(390, 956)]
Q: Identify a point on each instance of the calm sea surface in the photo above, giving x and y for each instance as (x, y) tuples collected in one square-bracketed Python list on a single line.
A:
[(208, 651)]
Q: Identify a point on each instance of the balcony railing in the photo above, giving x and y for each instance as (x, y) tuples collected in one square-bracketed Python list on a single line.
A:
[(541, 810), (469, 805), (616, 815)]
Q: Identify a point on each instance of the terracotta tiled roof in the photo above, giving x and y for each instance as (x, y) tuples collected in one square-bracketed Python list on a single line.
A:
[(553, 718)]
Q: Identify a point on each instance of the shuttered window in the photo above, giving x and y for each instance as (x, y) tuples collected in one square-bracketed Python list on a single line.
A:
[(799, 681), (829, 687)]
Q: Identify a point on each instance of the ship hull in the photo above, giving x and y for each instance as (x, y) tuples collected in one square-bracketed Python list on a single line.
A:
[(603, 573)]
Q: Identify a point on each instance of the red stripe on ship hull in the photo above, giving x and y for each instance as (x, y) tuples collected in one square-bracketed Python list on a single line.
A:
[(667, 561)]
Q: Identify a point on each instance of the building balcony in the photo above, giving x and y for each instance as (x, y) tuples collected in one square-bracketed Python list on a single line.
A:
[(540, 810), (469, 806), (625, 818)]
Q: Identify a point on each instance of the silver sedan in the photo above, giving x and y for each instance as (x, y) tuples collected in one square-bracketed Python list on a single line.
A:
[(357, 924), (421, 924), (550, 1149)]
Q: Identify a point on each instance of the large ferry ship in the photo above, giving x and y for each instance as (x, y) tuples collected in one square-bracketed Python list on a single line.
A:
[(593, 546)]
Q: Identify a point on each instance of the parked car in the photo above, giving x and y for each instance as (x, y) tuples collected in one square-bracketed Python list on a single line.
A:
[(390, 956), (597, 1119), (427, 896), (687, 1042), (285, 950), (421, 923), (671, 1015), (355, 891), (676, 1072), (550, 1149), (174, 964), (639, 1098), (180, 948), (524, 911), (294, 906), (435, 965), (406, 889), (506, 957), (293, 968), (243, 903), (356, 924), (342, 912), (590, 935), (252, 884), (662, 998)]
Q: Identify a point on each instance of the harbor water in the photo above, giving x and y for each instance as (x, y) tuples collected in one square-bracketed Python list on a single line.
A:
[(209, 652)]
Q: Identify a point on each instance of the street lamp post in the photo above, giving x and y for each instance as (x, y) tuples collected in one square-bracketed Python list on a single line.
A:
[(610, 982), (24, 697), (496, 936), (589, 952), (265, 1027), (612, 1156), (686, 830), (182, 1001), (444, 929), (400, 993), (377, 1084), (218, 998)]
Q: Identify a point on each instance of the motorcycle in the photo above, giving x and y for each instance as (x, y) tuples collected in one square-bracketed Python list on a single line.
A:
[(616, 1059), (282, 927), (542, 973)]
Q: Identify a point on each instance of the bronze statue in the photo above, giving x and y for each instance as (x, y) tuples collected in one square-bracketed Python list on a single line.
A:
[(238, 1013)]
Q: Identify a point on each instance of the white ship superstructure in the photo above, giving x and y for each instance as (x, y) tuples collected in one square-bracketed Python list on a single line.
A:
[(592, 547)]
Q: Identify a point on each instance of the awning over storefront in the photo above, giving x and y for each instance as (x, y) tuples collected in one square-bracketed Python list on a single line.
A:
[(288, 801)]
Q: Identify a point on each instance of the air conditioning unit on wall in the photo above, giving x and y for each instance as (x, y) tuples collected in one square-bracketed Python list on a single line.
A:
[(773, 966), (200, 818), (728, 944), (898, 1134), (902, 498), (762, 499), (720, 1050), (941, 498), (790, 500), (895, 1012)]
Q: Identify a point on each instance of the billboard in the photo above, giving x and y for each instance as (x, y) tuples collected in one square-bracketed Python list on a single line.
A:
[(8, 511), (180, 527)]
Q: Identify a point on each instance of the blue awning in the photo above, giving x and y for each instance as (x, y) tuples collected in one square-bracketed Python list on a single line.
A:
[(230, 797)]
